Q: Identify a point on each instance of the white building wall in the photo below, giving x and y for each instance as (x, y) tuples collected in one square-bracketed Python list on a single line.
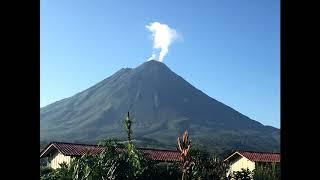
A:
[(242, 162), (58, 158)]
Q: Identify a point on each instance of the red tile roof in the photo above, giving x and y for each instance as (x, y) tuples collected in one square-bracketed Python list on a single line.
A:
[(161, 155), (68, 149), (257, 156), (72, 149)]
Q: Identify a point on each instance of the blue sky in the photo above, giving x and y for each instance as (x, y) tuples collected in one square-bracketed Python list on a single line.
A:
[(229, 49)]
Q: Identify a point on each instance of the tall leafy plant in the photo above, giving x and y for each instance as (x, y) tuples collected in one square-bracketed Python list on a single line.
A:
[(184, 146), (138, 164)]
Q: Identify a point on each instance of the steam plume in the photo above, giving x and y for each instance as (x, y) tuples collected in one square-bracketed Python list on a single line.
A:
[(162, 36)]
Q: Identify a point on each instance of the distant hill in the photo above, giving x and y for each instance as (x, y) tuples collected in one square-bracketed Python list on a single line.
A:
[(163, 105)]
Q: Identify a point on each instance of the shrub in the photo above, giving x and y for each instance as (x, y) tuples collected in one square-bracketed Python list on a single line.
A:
[(45, 171), (244, 174), (164, 171)]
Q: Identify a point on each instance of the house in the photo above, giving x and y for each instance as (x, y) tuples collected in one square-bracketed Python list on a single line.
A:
[(250, 159), (59, 152)]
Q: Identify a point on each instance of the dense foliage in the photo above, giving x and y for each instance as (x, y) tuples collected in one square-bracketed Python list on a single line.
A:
[(208, 166), (267, 172), (261, 172)]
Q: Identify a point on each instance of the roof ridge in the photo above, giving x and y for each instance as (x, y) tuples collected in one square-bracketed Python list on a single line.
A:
[(171, 150), (58, 142), (261, 152)]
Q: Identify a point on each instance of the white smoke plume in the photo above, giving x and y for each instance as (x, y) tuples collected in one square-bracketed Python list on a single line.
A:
[(162, 36)]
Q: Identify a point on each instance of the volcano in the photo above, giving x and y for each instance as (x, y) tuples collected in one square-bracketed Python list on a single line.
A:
[(163, 105)]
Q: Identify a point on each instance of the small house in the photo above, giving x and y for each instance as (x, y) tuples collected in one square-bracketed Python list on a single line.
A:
[(249, 160)]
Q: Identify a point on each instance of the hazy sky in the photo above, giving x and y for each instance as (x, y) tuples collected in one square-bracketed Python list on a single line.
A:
[(229, 49)]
